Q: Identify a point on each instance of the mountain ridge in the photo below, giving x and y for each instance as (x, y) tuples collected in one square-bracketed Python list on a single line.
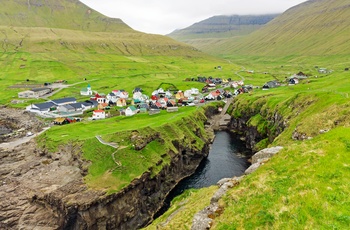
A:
[(64, 14), (219, 28), (315, 27)]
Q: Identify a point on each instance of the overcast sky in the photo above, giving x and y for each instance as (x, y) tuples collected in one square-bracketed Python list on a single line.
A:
[(164, 16)]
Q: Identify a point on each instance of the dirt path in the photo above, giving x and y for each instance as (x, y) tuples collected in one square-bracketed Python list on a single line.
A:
[(13, 144)]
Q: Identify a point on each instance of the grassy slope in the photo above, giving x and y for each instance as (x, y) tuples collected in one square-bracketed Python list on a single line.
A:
[(64, 14), (311, 28), (219, 29), (307, 184), (104, 173)]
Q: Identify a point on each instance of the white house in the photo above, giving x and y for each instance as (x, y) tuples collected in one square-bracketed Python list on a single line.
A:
[(130, 111), (188, 93), (86, 91), (137, 96), (121, 94), (98, 114), (111, 97), (194, 91)]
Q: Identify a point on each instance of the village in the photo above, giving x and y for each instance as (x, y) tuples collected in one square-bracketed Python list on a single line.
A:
[(120, 103)]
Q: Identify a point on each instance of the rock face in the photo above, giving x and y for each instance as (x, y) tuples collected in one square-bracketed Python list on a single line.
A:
[(261, 157), (16, 123), (251, 134)]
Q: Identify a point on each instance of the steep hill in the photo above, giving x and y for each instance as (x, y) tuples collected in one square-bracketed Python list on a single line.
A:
[(316, 27), (219, 28), (63, 14), (69, 25)]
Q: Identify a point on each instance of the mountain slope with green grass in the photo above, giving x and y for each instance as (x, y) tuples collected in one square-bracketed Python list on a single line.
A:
[(317, 27), (64, 14), (45, 41), (220, 28)]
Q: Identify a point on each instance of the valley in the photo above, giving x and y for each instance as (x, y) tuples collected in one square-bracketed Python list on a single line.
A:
[(69, 178)]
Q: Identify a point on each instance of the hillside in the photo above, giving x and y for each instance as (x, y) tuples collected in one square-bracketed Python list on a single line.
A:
[(43, 41), (69, 25), (219, 28), (316, 27), (63, 14)]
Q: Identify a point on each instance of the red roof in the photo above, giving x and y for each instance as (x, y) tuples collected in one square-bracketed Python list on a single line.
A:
[(99, 111)]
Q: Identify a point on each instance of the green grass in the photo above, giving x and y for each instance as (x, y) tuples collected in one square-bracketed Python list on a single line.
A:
[(310, 29), (112, 169), (183, 208), (310, 191), (105, 72), (88, 129), (306, 185)]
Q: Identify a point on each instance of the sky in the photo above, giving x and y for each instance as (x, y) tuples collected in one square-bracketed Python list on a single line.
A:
[(165, 16)]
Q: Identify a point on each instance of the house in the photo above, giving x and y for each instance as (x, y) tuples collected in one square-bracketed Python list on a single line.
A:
[(112, 98), (42, 107), (66, 108), (100, 98), (163, 102), (168, 94), (60, 121), (155, 105), (34, 93), (270, 84), (64, 101), (211, 96), (293, 81), (172, 109), (86, 91), (121, 94), (153, 111), (188, 93), (98, 114), (211, 86), (201, 79), (143, 106), (89, 104), (137, 96), (155, 98), (234, 84), (102, 106), (171, 103), (121, 102), (179, 95), (130, 111), (137, 89)]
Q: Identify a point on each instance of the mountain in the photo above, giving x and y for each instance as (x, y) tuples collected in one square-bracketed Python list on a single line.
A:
[(66, 25), (219, 28), (316, 27), (63, 14)]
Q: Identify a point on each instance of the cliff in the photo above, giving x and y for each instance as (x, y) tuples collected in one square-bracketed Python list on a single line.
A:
[(41, 188)]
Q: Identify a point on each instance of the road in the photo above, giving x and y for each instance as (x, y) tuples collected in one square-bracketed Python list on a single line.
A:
[(13, 144)]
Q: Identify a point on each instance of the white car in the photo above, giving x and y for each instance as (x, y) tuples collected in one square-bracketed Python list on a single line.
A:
[(29, 134)]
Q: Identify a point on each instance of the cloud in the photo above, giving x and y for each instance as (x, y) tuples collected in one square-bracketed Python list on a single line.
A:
[(164, 16)]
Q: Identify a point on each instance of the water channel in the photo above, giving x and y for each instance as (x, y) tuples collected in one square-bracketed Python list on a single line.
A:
[(227, 158)]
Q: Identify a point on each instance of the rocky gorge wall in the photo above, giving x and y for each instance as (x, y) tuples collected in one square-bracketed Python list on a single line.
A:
[(257, 125), (48, 189), (134, 206)]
